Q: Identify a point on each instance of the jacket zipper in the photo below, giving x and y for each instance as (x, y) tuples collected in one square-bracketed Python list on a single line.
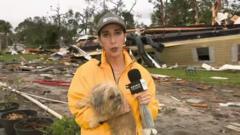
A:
[(113, 73), (117, 81)]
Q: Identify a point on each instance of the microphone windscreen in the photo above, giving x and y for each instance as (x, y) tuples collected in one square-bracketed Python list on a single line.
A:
[(134, 75)]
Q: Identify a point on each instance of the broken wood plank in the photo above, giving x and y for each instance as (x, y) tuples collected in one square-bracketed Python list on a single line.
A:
[(230, 104), (232, 127), (43, 98), (175, 98), (44, 107), (200, 105), (235, 124)]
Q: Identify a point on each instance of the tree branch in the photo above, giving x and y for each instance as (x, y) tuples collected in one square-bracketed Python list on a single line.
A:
[(134, 4)]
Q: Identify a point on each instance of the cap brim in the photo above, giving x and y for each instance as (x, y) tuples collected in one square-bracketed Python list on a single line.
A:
[(110, 22)]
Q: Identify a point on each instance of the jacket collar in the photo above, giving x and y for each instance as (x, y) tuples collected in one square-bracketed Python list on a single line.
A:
[(127, 58)]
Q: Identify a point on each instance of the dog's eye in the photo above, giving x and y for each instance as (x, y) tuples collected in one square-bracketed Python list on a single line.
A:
[(111, 97)]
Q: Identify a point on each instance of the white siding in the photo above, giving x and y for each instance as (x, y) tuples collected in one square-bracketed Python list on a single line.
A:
[(194, 54), (234, 53), (212, 54)]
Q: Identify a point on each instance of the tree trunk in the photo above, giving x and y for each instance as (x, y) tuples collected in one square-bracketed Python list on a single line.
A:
[(162, 12), (215, 8), (196, 16)]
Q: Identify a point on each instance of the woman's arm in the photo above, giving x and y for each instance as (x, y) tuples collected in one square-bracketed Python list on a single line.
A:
[(78, 94)]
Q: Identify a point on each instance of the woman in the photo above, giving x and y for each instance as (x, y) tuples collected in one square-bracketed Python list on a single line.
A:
[(114, 67)]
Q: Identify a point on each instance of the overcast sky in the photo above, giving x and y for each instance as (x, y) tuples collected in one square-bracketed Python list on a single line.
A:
[(15, 11)]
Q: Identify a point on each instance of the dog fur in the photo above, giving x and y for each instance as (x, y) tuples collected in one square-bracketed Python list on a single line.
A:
[(107, 102)]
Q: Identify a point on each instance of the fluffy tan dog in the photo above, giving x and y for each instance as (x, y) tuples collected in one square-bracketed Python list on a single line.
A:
[(108, 105)]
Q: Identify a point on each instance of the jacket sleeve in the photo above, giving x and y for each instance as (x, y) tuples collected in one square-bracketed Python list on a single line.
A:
[(153, 105), (78, 92)]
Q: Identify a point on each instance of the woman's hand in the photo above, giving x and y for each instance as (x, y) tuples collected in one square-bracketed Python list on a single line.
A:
[(143, 97)]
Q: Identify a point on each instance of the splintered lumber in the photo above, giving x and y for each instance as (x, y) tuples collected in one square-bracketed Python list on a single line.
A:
[(43, 98), (234, 126), (175, 98), (200, 105), (57, 115)]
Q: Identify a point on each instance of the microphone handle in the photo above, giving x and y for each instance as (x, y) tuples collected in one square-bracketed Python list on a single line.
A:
[(147, 120)]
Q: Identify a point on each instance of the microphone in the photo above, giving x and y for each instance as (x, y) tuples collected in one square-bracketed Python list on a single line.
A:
[(139, 85)]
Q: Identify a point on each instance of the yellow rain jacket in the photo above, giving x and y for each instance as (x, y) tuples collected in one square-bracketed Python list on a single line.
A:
[(94, 72)]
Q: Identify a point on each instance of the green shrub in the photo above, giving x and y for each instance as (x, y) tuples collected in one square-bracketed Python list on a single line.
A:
[(65, 126)]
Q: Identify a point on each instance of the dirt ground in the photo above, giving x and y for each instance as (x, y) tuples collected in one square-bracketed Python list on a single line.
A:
[(187, 108), (193, 109)]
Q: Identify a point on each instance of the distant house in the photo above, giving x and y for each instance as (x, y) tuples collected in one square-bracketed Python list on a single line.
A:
[(215, 51)]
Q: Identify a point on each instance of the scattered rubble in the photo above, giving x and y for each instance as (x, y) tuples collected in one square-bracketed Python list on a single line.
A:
[(234, 126), (193, 109), (230, 104), (222, 68), (219, 78), (185, 107)]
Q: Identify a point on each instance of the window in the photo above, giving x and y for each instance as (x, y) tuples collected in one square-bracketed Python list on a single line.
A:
[(238, 52), (203, 54)]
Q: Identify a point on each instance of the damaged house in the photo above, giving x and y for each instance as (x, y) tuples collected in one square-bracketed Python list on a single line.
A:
[(215, 51)]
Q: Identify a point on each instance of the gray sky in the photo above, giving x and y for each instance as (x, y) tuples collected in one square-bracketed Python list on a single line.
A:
[(15, 11)]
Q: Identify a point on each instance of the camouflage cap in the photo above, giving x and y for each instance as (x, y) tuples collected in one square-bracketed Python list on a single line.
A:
[(110, 18)]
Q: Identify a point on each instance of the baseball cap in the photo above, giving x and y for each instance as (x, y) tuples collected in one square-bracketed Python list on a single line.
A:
[(110, 18)]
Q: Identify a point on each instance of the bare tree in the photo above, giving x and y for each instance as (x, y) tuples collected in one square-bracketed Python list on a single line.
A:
[(195, 6), (160, 7), (133, 5), (58, 21), (215, 8), (162, 12), (116, 6)]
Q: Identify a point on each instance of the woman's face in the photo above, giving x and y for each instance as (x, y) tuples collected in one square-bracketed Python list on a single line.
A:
[(112, 40)]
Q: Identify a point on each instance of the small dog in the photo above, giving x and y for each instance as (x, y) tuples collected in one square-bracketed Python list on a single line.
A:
[(108, 103)]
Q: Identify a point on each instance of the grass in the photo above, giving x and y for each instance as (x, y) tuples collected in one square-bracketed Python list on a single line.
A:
[(202, 76), (8, 58)]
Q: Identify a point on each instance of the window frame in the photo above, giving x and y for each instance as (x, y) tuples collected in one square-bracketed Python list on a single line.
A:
[(199, 56)]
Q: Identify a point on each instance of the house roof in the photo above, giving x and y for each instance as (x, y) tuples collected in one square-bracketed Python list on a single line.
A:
[(202, 40)]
